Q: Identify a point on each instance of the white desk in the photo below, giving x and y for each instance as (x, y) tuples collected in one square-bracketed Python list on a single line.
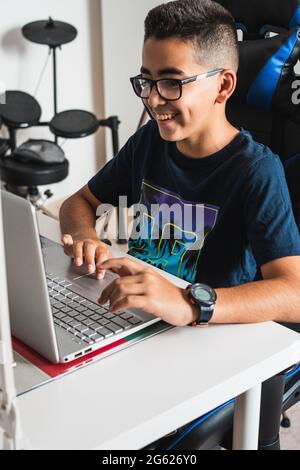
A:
[(136, 396)]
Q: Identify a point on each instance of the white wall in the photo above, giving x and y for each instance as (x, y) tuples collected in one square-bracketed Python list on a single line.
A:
[(123, 32), (79, 75)]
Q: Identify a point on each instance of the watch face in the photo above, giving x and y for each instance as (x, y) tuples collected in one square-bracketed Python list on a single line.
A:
[(203, 293)]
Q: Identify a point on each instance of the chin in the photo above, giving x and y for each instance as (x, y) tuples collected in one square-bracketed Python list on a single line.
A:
[(170, 136)]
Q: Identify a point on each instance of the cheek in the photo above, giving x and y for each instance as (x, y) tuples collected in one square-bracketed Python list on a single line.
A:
[(197, 105)]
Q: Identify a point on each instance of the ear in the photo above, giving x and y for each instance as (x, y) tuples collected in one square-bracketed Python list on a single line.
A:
[(226, 85)]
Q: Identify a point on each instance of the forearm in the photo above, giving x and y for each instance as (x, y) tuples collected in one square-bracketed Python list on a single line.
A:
[(267, 300), (77, 217)]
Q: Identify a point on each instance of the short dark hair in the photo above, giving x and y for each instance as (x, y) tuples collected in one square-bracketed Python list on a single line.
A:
[(207, 24)]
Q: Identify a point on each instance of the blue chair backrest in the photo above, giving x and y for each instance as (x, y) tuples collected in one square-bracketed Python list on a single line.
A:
[(266, 101), (255, 16)]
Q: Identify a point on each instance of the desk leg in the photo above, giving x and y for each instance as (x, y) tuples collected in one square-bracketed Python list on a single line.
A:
[(246, 420)]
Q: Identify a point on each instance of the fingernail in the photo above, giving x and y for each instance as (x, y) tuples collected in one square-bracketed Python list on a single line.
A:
[(90, 268), (100, 276), (78, 261)]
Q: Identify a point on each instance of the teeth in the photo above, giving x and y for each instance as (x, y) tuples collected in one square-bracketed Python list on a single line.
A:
[(164, 117)]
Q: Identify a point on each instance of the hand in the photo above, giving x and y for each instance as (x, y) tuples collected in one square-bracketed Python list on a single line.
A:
[(143, 288), (91, 250)]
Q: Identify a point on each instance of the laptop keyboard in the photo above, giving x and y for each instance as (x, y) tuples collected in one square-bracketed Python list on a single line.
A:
[(87, 322)]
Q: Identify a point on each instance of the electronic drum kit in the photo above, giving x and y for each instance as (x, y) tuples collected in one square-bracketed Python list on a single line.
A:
[(21, 173)]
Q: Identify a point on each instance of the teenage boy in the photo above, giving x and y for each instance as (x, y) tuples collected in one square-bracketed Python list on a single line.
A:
[(241, 255)]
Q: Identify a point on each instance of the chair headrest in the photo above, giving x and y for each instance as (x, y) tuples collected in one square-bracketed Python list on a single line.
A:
[(252, 16), (266, 73)]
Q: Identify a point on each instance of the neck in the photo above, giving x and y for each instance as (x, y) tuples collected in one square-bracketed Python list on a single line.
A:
[(212, 139)]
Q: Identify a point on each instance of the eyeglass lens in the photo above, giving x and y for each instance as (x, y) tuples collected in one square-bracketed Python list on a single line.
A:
[(168, 89)]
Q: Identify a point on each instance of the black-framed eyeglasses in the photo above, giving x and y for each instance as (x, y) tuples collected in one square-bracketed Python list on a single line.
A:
[(169, 89)]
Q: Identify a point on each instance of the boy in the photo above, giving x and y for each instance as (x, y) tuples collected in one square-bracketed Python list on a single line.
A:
[(237, 243)]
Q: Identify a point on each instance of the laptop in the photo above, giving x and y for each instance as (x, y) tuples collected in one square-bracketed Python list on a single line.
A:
[(53, 304)]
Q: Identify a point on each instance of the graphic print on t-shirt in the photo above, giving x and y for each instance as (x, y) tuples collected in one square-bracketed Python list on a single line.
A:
[(169, 232)]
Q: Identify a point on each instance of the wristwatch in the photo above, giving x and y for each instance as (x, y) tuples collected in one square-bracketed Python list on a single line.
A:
[(204, 297)]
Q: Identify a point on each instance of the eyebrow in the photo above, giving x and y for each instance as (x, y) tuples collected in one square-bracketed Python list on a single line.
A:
[(166, 71)]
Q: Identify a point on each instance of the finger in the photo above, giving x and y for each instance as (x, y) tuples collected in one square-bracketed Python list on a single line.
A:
[(67, 241), (101, 255), (119, 285), (123, 266), (89, 249), (131, 301), (78, 253), (106, 293), (127, 290)]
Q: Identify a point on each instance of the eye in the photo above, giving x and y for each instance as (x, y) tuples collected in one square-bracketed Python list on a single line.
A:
[(171, 84)]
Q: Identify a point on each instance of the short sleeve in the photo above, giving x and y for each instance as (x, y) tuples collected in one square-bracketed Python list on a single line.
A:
[(270, 225), (114, 179)]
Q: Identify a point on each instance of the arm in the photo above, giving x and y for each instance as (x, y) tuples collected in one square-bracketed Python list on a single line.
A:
[(77, 221), (78, 214), (276, 298)]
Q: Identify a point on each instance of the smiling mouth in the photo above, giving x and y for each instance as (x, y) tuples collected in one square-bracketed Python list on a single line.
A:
[(162, 117)]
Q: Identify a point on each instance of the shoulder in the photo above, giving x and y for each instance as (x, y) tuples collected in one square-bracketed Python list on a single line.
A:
[(259, 160), (147, 134)]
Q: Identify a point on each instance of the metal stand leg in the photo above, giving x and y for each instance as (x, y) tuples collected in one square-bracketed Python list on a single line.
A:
[(113, 123), (54, 85), (246, 420)]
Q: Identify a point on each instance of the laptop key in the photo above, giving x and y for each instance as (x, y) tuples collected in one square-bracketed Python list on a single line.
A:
[(73, 313), (89, 304), (95, 326), (106, 333), (73, 296), (65, 283), (66, 310), (134, 320), (67, 301), (68, 319), (73, 304), (126, 315), (88, 313), (80, 300), (88, 322), (96, 317), (80, 309), (81, 328), (123, 323), (74, 323), (58, 288), (59, 315), (101, 310), (93, 307), (115, 328), (88, 340), (108, 316), (57, 304), (60, 297), (98, 338), (80, 318), (89, 333), (103, 322)]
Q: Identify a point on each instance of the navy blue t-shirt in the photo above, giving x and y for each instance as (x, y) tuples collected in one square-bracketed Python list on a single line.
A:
[(232, 209)]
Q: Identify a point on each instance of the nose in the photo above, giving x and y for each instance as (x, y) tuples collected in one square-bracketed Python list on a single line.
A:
[(155, 99)]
